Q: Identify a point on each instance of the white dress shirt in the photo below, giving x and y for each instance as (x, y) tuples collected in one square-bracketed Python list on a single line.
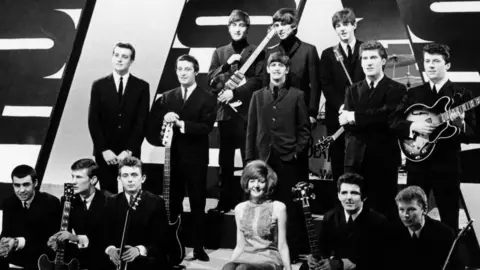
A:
[(116, 79)]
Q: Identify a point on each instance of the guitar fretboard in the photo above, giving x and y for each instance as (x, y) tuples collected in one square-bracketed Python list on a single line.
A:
[(60, 254), (257, 52), (166, 181), (460, 109), (312, 236)]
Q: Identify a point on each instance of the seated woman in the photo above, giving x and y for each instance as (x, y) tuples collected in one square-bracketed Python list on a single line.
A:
[(261, 223)]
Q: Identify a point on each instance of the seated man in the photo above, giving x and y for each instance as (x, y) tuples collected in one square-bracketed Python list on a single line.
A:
[(421, 240), (86, 217), (352, 236), (29, 218), (148, 221)]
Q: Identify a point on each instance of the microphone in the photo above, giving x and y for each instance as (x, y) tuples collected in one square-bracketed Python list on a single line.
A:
[(338, 55)]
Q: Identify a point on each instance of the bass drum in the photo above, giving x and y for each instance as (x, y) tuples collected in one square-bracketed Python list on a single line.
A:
[(318, 163)]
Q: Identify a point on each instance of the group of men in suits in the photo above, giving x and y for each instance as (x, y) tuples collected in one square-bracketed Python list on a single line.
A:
[(96, 221)]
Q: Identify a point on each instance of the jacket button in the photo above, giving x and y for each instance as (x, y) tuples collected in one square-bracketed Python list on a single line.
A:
[(274, 107), (273, 119), (119, 126)]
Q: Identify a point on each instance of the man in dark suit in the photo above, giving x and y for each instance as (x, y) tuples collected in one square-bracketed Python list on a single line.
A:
[(278, 132), (29, 218), (352, 236), (86, 218), (335, 80), (232, 125), (421, 242), (192, 111), (371, 146), (144, 246), (117, 115), (441, 171)]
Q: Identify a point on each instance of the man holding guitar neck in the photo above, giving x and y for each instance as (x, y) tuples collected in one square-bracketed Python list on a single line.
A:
[(29, 218), (335, 80), (440, 172), (86, 217), (143, 240), (232, 125), (352, 235), (371, 147)]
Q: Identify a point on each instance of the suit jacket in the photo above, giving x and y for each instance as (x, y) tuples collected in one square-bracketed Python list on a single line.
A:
[(36, 224), (118, 126), (198, 113), (89, 223), (335, 82), (281, 124), (446, 155), (220, 68), (304, 71), (429, 251), (371, 134), (148, 226), (363, 242)]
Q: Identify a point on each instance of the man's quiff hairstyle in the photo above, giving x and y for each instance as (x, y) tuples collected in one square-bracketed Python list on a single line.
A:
[(188, 58), (238, 15), (22, 171), (125, 46), (345, 15), (351, 179), (130, 162), (86, 163), (374, 45), (413, 193), (437, 48)]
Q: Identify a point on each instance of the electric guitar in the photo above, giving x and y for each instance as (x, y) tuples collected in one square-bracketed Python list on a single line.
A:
[(421, 146), (176, 251), (59, 264), (302, 193), (131, 207), (325, 142), (462, 232)]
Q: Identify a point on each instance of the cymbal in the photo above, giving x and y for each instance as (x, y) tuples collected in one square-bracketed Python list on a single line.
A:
[(409, 80), (400, 60)]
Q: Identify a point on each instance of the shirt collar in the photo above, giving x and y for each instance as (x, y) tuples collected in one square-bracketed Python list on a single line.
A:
[(352, 46), (417, 232), (375, 83), (190, 88), (354, 216), (439, 84), (125, 77), (280, 86), (29, 201), (89, 199)]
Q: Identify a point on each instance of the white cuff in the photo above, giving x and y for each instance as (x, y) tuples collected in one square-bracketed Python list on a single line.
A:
[(108, 249), (348, 265), (182, 126), (410, 135), (143, 250), (21, 243), (82, 241)]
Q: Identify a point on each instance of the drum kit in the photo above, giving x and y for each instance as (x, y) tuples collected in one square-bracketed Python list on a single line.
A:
[(401, 60)]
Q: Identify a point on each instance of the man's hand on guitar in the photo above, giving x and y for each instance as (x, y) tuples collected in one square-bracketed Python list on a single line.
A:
[(114, 257), (130, 253), (422, 127), (313, 263), (329, 264), (6, 246), (233, 58), (65, 235), (52, 242), (458, 119), (226, 96), (171, 117), (346, 117)]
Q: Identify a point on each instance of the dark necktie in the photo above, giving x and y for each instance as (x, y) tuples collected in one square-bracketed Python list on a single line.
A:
[(25, 205), (120, 90), (275, 92), (349, 53), (372, 85), (434, 89), (350, 220), (184, 94), (85, 205), (414, 237)]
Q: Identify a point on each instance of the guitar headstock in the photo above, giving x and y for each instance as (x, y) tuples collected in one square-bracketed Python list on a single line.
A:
[(302, 192), (68, 191), (324, 143), (167, 134), (134, 203)]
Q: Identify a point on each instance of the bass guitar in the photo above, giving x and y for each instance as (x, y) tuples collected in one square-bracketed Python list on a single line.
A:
[(131, 207), (176, 251), (462, 232), (421, 146), (59, 263), (302, 192)]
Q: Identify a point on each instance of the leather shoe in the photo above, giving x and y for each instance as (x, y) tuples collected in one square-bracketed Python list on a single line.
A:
[(201, 255)]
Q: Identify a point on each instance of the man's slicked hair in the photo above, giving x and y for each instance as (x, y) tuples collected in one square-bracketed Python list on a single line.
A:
[(351, 179), (126, 46), (238, 15), (345, 15), (188, 58), (413, 193), (130, 162), (86, 163), (437, 48), (22, 171), (372, 45)]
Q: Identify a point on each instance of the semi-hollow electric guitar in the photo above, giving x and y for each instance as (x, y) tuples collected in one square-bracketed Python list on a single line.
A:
[(131, 207), (421, 146)]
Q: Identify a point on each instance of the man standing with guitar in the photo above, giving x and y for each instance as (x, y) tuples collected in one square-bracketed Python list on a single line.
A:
[(371, 147), (226, 60), (439, 172), (135, 222), (340, 67)]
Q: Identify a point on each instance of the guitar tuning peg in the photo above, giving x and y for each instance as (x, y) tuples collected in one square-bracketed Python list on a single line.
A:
[(313, 196)]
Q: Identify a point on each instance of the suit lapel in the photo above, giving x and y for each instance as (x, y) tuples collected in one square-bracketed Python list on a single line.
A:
[(130, 85), (193, 96), (295, 47), (246, 54), (281, 94), (382, 86)]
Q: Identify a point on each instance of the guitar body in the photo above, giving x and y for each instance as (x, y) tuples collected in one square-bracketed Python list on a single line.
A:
[(45, 264), (421, 146), (176, 250)]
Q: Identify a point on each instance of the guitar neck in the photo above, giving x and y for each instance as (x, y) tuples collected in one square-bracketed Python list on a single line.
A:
[(166, 180), (460, 109), (312, 236), (257, 52), (338, 133), (60, 254)]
